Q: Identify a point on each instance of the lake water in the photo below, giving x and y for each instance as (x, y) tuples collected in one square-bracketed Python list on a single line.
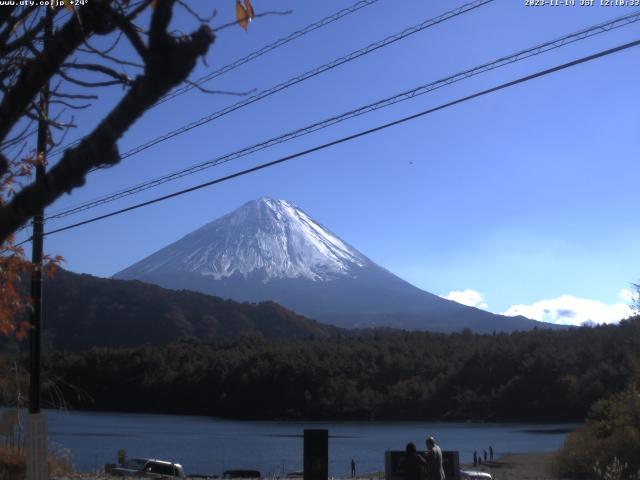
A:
[(210, 445)]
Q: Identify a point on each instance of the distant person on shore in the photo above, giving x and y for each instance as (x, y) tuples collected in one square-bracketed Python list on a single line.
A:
[(475, 458), (353, 468), (413, 463), (433, 460), (491, 453), (485, 456)]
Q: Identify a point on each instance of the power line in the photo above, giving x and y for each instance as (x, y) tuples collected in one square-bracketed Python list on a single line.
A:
[(420, 90), (251, 56), (363, 133), (265, 93), (307, 75), (266, 49)]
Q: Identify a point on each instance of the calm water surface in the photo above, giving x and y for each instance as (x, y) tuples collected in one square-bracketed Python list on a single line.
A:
[(210, 445)]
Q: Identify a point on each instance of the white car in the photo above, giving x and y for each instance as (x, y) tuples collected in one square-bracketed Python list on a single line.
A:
[(145, 467), (474, 475)]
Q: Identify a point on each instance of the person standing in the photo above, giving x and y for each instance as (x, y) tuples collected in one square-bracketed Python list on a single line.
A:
[(353, 468), (433, 460), (491, 453), (413, 463), (475, 458), (485, 456)]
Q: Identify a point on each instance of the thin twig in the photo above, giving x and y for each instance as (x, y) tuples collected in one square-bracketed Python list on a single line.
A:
[(83, 83), (123, 78), (70, 105), (75, 96), (18, 138), (106, 56), (219, 92), (137, 10), (129, 29), (208, 19)]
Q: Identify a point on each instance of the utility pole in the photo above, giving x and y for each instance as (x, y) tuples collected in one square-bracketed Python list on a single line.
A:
[(36, 422)]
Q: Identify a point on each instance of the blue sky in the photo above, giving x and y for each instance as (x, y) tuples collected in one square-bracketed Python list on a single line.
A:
[(522, 201)]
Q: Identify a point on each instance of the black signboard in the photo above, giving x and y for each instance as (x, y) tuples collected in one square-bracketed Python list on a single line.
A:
[(316, 454)]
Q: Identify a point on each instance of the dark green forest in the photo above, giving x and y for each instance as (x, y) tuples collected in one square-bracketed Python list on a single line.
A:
[(541, 375), (81, 311)]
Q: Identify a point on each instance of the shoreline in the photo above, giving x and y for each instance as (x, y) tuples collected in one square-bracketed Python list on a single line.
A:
[(293, 419), (521, 466)]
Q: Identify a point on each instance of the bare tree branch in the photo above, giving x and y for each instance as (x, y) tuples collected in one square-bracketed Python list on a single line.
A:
[(76, 96), (106, 56), (196, 15), (49, 121), (29, 35), (22, 135), (5, 13), (169, 61), (12, 22), (83, 83), (218, 92), (137, 9), (110, 48), (70, 105), (96, 17), (119, 77), (132, 34)]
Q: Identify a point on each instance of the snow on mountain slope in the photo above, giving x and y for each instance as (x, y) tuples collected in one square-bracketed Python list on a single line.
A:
[(271, 250), (269, 238)]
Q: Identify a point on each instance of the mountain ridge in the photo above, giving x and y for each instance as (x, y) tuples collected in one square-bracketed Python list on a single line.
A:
[(272, 250)]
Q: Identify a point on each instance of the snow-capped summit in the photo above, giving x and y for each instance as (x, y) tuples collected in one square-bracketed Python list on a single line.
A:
[(266, 238)]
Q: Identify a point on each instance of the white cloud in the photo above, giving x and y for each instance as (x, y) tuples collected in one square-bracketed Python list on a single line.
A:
[(467, 297), (570, 310), (628, 296)]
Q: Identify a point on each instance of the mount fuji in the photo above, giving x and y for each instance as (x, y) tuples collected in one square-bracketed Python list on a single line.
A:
[(271, 250)]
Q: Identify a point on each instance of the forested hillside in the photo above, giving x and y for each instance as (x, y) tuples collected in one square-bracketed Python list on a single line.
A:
[(83, 311), (537, 375)]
